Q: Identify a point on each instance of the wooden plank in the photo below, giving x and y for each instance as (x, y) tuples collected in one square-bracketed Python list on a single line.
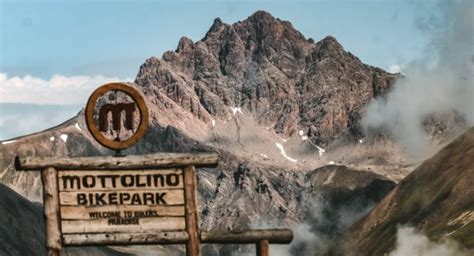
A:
[(84, 213), (193, 246), (51, 211), (263, 248), (274, 236), (152, 161), (125, 197), (172, 237), (102, 179), (142, 225)]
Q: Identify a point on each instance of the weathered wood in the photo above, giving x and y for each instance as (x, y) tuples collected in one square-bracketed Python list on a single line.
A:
[(274, 236), (144, 225), (193, 246), (73, 180), (172, 237), (83, 212), (263, 248), (159, 160), (51, 211), (95, 131), (172, 196)]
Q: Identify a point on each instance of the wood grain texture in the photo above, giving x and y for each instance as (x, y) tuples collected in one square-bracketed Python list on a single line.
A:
[(172, 237), (144, 225), (137, 162), (263, 248), (142, 108), (51, 211), (65, 184), (193, 246), (172, 196), (83, 213), (274, 236)]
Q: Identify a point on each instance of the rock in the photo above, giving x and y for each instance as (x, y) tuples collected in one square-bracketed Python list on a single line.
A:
[(267, 67), (437, 198)]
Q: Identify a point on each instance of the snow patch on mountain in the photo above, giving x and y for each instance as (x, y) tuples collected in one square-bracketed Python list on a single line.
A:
[(283, 153), (64, 137)]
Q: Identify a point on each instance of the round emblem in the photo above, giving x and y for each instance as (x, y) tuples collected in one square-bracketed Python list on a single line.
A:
[(116, 115)]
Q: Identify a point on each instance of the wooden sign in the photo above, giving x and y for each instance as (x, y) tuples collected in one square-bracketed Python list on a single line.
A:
[(116, 115), (121, 201), (148, 199)]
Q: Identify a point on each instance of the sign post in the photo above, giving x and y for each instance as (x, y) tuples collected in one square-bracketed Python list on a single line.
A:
[(126, 200), (51, 211)]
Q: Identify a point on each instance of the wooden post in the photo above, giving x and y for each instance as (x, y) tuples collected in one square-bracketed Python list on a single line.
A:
[(193, 246), (153, 161), (51, 211), (263, 248), (273, 236)]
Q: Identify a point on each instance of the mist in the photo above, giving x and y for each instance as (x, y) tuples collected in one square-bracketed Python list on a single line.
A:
[(17, 119), (439, 83), (322, 225), (411, 242)]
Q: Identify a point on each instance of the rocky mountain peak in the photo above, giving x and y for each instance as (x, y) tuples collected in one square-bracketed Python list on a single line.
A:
[(185, 44), (261, 16), (329, 43), (217, 25), (266, 27), (258, 27), (268, 69)]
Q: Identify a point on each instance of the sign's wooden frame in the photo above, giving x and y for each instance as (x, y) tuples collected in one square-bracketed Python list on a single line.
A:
[(192, 236)]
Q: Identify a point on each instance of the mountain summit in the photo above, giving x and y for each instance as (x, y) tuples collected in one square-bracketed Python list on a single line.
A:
[(266, 68)]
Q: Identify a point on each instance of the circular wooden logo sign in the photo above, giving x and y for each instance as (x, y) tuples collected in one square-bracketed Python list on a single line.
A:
[(116, 115)]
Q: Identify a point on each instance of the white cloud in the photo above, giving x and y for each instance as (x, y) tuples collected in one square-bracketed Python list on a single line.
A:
[(394, 69), (18, 119), (441, 82), (58, 89)]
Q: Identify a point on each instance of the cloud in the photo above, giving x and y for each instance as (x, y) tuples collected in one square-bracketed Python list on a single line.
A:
[(410, 242), (58, 89), (18, 119), (394, 69), (442, 82)]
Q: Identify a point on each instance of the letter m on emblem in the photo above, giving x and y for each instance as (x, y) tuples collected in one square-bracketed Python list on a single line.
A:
[(116, 110)]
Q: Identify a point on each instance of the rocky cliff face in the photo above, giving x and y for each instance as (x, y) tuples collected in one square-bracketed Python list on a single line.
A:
[(269, 70), (267, 100)]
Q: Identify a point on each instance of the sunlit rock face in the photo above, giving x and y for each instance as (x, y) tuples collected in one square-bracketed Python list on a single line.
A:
[(268, 69)]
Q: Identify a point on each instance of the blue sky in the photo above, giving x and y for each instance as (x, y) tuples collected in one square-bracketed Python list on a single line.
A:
[(43, 38), (49, 47)]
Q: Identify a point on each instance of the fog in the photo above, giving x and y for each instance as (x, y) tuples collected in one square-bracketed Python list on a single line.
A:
[(439, 83), (414, 243)]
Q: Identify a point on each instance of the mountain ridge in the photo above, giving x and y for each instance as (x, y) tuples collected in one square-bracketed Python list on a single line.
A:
[(266, 67)]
